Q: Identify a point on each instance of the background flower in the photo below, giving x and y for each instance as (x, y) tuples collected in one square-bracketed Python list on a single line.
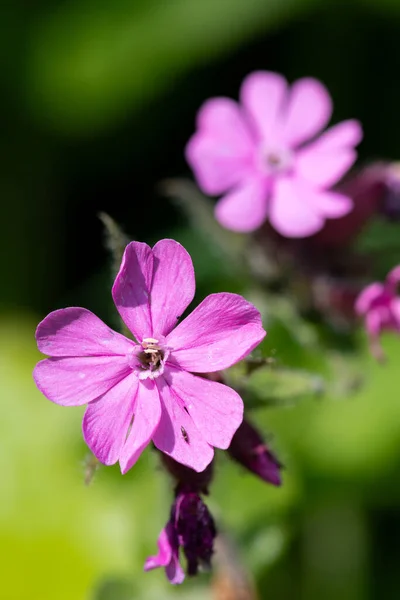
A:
[(379, 305), (263, 156)]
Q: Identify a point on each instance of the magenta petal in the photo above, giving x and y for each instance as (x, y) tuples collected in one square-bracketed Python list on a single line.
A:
[(174, 571), (395, 312), (245, 208), (177, 434), (79, 380), (173, 285), (147, 417), (326, 160), (78, 332), (393, 278), (374, 322), (221, 151), (167, 557), (328, 204), (308, 110), (216, 409), (131, 289), (262, 95), (369, 294), (222, 330), (321, 168), (106, 421), (290, 213), (346, 134), (164, 553)]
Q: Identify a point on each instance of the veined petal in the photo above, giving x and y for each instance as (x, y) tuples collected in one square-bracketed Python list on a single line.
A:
[(147, 417), (222, 330), (220, 152), (369, 294), (177, 434), (131, 289), (173, 285), (290, 213), (79, 380), (308, 110), (216, 409), (263, 96), (78, 332), (106, 421), (245, 208)]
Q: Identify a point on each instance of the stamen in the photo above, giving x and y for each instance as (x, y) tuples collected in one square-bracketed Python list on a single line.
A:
[(151, 358)]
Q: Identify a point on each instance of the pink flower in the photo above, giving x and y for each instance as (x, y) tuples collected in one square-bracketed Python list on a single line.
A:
[(144, 390), (380, 307), (255, 154)]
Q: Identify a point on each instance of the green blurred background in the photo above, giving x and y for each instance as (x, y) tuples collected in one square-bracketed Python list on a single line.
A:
[(99, 99)]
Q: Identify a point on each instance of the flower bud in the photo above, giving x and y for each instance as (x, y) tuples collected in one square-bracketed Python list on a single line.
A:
[(249, 449)]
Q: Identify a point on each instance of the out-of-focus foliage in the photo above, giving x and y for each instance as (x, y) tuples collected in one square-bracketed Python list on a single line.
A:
[(91, 64)]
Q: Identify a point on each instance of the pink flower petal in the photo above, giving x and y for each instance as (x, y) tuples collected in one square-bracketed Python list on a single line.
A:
[(167, 557), (216, 409), (173, 285), (262, 95), (369, 294), (326, 160), (164, 274), (393, 278), (79, 380), (177, 434), (106, 421), (222, 330), (131, 289), (395, 310), (323, 169), (374, 322), (78, 332), (345, 134), (245, 208), (164, 553), (147, 417), (221, 151), (290, 213), (174, 571), (308, 111), (328, 204)]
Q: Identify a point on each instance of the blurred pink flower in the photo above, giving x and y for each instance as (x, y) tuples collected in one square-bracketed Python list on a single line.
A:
[(380, 307), (144, 390), (255, 154)]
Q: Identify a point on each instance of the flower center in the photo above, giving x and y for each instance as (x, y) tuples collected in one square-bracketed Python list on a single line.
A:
[(151, 357), (276, 160)]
